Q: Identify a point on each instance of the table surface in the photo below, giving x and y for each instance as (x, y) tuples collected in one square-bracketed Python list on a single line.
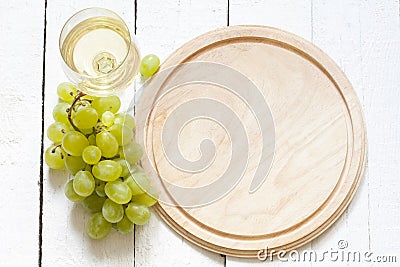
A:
[(40, 226)]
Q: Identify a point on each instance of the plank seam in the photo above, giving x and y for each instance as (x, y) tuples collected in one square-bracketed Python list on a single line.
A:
[(134, 112), (369, 211), (135, 2), (366, 175), (312, 20), (227, 24), (42, 139), (227, 14)]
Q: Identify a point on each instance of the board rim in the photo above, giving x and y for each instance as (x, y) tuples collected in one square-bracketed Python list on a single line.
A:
[(341, 82)]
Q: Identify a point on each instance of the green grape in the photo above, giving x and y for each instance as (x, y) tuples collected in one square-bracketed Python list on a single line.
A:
[(137, 214), (54, 157), (149, 65), (138, 183), (122, 133), (119, 118), (86, 131), (148, 199), (133, 168), (107, 118), (92, 139), (125, 225), (74, 164), (100, 188), (139, 169), (74, 143), (131, 152), (116, 131), (129, 121), (70, 192), (93, 203), (112, 211), (56, 131), (109, 103), (97, 227), (66, 92), (81, 104), (125, 119), (108, 144), (107, 170), (91, 155), (141, 177), (85, 118), (84, 183), (60, 113), (125, 167), (88, 168), (118, 192)]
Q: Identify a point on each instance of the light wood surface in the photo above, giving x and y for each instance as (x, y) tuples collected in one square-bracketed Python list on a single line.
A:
[(20, 113), (362, 37), (320, 142), (66, 226)]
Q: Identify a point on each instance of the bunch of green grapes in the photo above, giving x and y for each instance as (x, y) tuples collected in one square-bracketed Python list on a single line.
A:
[(96, 145)]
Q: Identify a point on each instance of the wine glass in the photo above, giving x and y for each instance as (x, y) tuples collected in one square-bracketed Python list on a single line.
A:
[(99, 53)]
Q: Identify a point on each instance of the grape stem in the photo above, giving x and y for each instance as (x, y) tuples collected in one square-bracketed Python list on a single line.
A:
[(54, 149), (76, 99)]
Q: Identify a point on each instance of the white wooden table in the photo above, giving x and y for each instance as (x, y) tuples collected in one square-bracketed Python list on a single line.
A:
[(40, 226)]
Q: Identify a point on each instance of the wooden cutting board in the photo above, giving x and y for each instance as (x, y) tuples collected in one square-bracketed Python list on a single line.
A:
[(318, 141)]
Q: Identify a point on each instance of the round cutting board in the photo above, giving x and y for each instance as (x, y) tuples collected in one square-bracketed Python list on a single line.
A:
[(314, 139)]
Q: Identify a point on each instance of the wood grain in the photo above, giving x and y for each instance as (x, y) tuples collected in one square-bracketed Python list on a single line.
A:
[(380, 35), (344, 48), (65, 242), (293, 16), (162, 26), (21, 56), (330, 118), (361, 36)]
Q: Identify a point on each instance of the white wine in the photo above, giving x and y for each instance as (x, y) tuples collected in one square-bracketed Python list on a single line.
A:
[(100, 55)]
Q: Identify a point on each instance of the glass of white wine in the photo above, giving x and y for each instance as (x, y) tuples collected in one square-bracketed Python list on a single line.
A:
[(99, 53)]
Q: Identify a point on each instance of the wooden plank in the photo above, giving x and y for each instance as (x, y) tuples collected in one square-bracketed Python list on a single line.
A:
[(380, 35), (21, 51), (162, 26), (65, 242), (336, 30), (293, 16)]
